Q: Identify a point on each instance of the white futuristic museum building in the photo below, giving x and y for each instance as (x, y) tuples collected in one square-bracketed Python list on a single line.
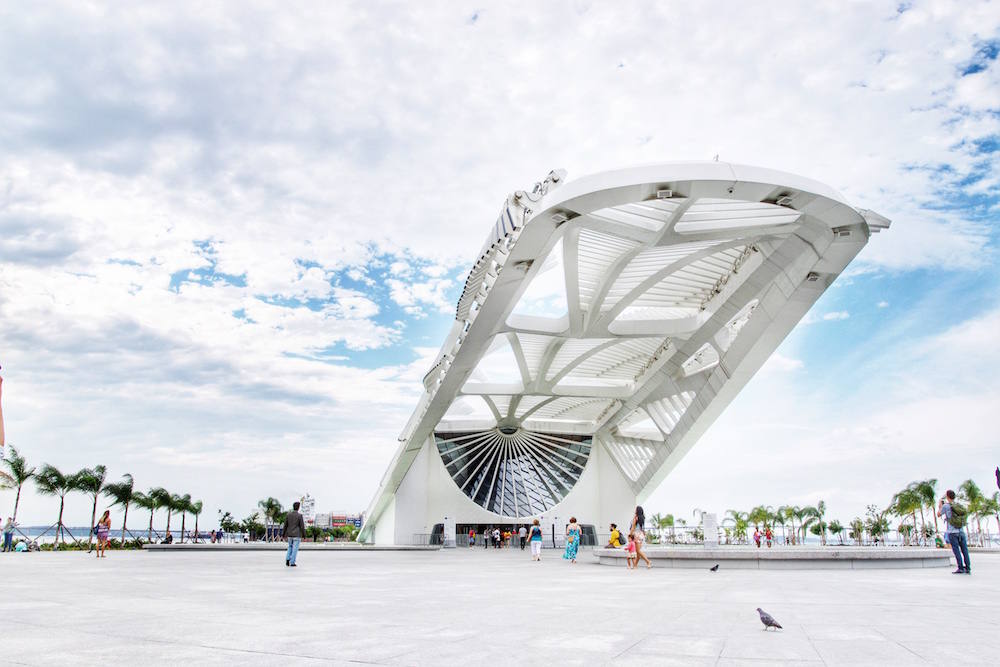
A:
[(607, 322)]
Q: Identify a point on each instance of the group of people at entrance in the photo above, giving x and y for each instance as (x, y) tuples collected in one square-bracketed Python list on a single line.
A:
[(499, 539), (533, 535)]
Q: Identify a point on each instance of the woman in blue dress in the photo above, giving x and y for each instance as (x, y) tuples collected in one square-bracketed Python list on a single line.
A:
[(572, 540)]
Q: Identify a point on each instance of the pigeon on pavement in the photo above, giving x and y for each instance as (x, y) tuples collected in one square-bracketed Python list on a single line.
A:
[(768, 620), (714, 568)]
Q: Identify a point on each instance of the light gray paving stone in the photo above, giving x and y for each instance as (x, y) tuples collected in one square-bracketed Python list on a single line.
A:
[(461, 607), (865, 652)]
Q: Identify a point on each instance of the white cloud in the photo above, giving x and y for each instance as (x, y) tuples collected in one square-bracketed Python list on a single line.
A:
[(414, 295), (833, 316), (883, 304), (778, 362), (294, 166)]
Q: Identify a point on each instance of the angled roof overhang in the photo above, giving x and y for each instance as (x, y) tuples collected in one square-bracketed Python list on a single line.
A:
[(632, 306)]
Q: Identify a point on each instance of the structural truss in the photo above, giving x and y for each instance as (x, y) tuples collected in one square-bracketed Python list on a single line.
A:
[(623, 310)]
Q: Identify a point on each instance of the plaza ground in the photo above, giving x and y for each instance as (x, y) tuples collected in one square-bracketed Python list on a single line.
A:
[(482, 607)]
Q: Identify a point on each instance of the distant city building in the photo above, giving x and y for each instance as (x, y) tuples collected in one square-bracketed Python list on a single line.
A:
[(308, 509), (338, 519)]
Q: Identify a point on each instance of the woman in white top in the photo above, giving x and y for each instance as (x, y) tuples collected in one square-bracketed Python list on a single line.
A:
[(639, 528)]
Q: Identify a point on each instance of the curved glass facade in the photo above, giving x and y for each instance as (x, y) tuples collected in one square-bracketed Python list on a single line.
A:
[(514, 472)]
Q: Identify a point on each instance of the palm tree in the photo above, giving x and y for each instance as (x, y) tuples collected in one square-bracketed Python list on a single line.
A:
[(993, 507), (927, 491), (741, 522), (906, 503), (780, 516), (196, 508), (974, 497), (814, 517), (146, 501), (91, 480), (801, 514), (16, 474), (837, 529), (791, 513), (50, 481), (181, 504), (121, 493), (163, 500), (271, 508), (857, 530), (757, 516), (668, 522)]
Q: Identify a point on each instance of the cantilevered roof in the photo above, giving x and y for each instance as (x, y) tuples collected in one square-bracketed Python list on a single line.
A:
[(631, 306)]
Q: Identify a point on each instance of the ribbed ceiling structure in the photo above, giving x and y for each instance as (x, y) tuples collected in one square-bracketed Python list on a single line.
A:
[(628, 308)]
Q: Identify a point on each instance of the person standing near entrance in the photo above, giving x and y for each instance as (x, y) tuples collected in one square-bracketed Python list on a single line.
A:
[(295, 530), (496, 538), (638, 528), (955, 515), (572, 540), (536, 541), (522, 532)]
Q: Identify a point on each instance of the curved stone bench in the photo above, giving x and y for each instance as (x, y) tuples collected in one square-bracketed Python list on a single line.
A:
[(785, 558)]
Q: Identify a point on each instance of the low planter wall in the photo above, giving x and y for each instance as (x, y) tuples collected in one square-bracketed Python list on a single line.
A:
[(829, 558)]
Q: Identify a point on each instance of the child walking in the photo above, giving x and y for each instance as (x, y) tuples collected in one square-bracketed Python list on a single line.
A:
[(632, 559)]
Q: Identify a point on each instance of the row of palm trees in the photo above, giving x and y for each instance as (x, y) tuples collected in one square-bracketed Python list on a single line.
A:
[(50, 481), (795, 522), (923, 495)]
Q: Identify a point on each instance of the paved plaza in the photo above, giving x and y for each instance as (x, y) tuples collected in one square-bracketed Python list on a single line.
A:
[(482, 607)]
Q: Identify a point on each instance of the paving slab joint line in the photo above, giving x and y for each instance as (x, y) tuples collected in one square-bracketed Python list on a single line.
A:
[(626, 650)]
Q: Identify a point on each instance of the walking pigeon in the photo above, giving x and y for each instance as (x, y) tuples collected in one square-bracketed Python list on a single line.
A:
[(767, 620), (714, 568)]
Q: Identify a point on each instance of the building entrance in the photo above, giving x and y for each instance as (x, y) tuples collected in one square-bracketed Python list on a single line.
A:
[(482, 535)]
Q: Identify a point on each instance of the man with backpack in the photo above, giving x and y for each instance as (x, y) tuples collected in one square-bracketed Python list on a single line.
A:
[(955, 516)]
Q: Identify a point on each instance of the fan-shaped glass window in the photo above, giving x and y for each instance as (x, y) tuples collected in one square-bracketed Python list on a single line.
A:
[(512, 471)]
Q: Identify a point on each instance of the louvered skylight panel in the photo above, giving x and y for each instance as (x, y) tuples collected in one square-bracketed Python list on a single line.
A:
[(690, 286), (597, 252), (632, 454), (666, 412), (527, 403), (646, 264), (572, 408), (570, 351), (721, 214), (622, 361), (502, 403), (651, 216), (533, 346)]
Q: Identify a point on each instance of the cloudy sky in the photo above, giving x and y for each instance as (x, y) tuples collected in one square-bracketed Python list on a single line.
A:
[(232, 237)]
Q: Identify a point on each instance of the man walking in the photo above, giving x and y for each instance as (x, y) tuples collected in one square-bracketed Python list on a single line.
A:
[(295, 530), (522, 532), (955, 516)]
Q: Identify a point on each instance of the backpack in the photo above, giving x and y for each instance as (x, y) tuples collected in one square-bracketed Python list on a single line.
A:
[(958, 516)]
